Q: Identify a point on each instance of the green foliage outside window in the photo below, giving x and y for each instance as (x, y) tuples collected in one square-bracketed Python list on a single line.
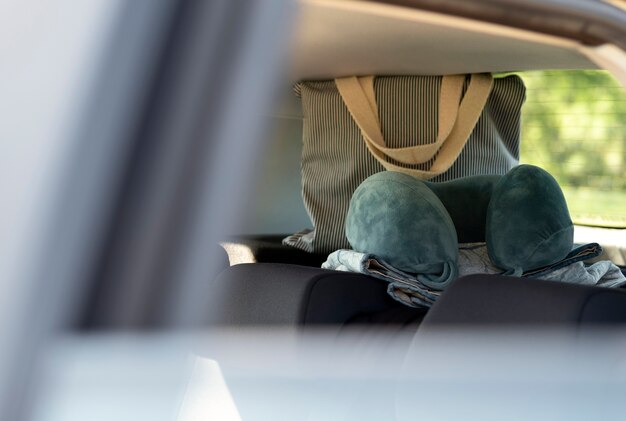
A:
[(574, 126)]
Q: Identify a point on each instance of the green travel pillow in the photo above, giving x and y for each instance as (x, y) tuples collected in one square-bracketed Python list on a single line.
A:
[(528, 224), (397, 218), (466, 199)]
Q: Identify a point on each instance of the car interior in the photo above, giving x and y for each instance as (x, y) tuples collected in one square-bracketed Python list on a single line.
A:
[(269, 283), (313, 209)]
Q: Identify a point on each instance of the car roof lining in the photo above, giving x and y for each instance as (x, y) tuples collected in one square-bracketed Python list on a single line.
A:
[(335, 38)]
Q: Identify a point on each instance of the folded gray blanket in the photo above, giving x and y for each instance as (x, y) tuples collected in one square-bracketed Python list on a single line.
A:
[(473, 259)]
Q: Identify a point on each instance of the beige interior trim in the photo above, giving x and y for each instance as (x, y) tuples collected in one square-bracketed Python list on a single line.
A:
[(453, 22), (609, 57), (620, 4), (339, 38)]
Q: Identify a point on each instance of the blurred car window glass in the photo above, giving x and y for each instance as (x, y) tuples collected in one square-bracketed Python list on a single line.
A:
[(574, 126)]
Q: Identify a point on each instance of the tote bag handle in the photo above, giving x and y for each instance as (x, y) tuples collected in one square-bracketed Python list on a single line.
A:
[(457, 118)]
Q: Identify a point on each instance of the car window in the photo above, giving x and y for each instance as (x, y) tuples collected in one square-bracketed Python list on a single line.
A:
[(574, 126)]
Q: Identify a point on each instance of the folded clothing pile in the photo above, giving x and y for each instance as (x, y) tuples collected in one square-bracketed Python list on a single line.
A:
[(407, 231), (474, 258)]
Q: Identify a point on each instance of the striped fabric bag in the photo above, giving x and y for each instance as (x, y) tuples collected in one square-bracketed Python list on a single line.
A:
[(432, 127)]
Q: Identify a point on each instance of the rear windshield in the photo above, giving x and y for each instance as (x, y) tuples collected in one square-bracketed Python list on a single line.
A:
[(574, 126)]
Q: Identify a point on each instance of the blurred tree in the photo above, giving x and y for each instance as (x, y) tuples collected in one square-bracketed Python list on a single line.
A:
[(574, 126)]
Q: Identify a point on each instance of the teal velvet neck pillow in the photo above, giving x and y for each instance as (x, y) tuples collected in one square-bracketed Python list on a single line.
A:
[(528, 223), (399, 219), (466, 200), (416, 226)]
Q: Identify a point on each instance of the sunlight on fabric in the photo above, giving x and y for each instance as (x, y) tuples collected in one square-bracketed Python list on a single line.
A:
[(238, 253)]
